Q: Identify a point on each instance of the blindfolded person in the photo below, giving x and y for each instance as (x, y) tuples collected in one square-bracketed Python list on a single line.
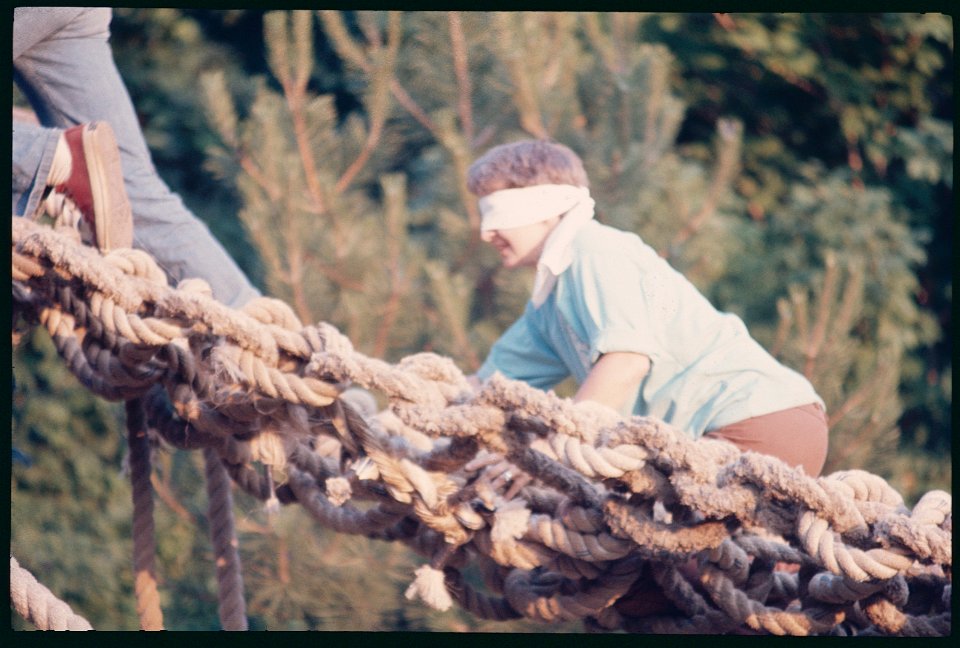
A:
[(633, 332)]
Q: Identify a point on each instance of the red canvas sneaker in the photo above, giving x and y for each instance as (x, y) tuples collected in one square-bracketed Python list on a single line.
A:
[(95, 187)]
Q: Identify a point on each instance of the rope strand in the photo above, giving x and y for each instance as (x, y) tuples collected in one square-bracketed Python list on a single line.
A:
[(232, 608), (144, 542), (38, 605)]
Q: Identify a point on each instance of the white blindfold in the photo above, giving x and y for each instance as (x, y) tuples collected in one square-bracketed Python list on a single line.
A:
[(510, 208)]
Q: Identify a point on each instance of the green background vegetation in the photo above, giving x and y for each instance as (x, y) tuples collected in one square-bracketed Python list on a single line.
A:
[(797, 167)]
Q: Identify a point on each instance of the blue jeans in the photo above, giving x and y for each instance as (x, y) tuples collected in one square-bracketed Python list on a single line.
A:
[(63, 63)]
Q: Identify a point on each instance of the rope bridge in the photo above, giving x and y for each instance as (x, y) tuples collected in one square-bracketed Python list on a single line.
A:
[(568, 511)]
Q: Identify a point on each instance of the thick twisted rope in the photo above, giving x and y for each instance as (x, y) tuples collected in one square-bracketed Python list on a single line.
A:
[(565, 508), (144, 542), (232, 608), (38, 605)]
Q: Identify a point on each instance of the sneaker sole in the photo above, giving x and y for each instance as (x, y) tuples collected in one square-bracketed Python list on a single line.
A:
[(113, 217)]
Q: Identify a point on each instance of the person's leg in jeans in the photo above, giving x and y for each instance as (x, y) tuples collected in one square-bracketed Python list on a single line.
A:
[(33, 147), (64, 65)]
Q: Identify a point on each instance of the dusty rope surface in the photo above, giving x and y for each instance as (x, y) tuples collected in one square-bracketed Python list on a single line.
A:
[(568, 511)]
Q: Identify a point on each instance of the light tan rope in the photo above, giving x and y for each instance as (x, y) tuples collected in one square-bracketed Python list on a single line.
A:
[(38, 605)]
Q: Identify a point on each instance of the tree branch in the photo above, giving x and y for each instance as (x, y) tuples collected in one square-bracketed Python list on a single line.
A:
[(167, 497), (729, 132), (524, 96), (378, 110), (824, 307), (461, 68)]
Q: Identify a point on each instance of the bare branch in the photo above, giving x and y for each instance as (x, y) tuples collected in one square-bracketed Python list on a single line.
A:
[(378, 110), (824, 306), (524, 96), (728, 156), (168, 498), (462, 69)]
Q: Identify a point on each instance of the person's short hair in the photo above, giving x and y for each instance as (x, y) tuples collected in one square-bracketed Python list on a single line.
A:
[(524, 164)]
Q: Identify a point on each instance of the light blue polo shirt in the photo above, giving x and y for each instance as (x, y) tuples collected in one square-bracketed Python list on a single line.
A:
[(618, 294)]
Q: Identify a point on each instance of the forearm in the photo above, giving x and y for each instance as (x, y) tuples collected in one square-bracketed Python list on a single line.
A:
[(614, 379)]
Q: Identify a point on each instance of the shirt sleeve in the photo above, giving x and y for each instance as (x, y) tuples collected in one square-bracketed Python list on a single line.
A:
[(621, 304), (522, 353)]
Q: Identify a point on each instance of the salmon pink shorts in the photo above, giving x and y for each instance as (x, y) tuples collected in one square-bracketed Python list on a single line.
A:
[(797, 435)]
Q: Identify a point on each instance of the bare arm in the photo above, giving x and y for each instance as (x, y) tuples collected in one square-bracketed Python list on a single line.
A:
[(614, 379)]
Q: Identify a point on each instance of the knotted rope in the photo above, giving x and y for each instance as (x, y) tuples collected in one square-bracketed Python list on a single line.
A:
[(568, 511)]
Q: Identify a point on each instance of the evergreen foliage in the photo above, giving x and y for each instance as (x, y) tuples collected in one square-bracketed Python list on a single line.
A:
[(797, 167)]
